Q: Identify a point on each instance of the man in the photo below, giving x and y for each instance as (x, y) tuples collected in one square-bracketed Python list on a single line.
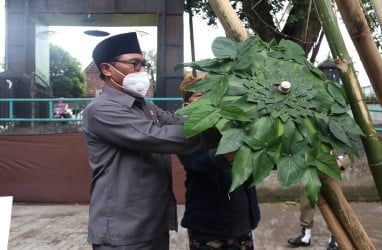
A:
[(132, 205), (306, 223)]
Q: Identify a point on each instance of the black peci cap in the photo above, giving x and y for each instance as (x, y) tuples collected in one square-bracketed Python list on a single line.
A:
[(114, 46)]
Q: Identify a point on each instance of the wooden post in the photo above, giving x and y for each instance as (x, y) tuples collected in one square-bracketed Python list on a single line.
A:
[(227, 16)]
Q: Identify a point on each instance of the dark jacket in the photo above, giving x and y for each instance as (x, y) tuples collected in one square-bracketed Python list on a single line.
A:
[(210, 209), (129, 145)]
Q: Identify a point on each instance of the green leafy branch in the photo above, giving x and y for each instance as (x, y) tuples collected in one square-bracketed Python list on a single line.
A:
[(265, 127)]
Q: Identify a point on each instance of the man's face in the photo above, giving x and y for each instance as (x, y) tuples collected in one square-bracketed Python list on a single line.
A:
[(125, 64)]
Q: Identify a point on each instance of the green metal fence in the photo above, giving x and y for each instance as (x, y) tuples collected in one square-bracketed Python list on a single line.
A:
[(40, 119), (51, 101)]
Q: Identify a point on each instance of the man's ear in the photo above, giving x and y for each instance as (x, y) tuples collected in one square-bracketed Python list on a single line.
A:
[(106, 69)]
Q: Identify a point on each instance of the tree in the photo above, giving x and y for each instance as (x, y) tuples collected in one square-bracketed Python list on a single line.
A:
[(66, 76), (296, 20), (373, 12)]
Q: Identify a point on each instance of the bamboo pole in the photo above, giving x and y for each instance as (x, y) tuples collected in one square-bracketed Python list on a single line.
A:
[(359, 31), (333, 224), (373, 147), (333, 195), (329, 188), (228, 18)]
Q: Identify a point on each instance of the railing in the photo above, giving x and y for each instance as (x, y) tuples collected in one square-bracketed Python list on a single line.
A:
[(11, 119), (376, 110), (11, 107), (41, 118), (51, 101)]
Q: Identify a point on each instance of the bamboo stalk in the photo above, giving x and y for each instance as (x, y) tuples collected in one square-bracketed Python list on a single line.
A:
[(353, 91), (228, 18), (334, 225), (356, 24), (333, 195), (359, 31)]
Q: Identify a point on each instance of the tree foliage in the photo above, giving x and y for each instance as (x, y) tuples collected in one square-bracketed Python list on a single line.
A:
[(296, 20), (372, 20), (66, 76)]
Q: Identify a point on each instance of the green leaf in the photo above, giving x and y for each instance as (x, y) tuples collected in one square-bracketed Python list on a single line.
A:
[(290, 169), (234, 113), (254, 143), (308, 130), (236, 86), (315, 71), (223, 125), (293, 146), (338, 131), (337, 109), (291, 133), (253, 43), (263, 162), (261, 128), (350, 149), (327, 164), (204, 85), (200, 120), (348, 124), (252, 60), (292, 48), (193, 106), (242, 167), (216, 65), (288, 50), (232, 140), (312, 185), (223, 47), (335, 91), (219, 90)]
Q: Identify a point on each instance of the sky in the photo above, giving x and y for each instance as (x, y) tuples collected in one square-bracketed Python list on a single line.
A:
[(147, 36), (81, 45)]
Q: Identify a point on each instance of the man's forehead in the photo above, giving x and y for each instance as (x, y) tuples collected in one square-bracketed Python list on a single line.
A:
[(130, 56)]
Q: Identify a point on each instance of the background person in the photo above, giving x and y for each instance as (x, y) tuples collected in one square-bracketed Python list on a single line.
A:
[(61, 110), (307, 214), (132, 205), (215, 218)]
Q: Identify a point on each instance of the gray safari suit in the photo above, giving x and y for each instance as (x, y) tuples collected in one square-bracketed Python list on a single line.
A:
[(131, 192)]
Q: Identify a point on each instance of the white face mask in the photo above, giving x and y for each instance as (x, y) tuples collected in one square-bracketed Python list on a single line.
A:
[(137, 83)]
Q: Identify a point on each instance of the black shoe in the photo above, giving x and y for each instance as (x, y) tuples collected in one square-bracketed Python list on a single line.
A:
[(297, 242), (332, 245)]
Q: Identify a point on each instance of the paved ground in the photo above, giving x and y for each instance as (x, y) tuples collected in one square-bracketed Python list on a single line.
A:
[(51, 227)]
